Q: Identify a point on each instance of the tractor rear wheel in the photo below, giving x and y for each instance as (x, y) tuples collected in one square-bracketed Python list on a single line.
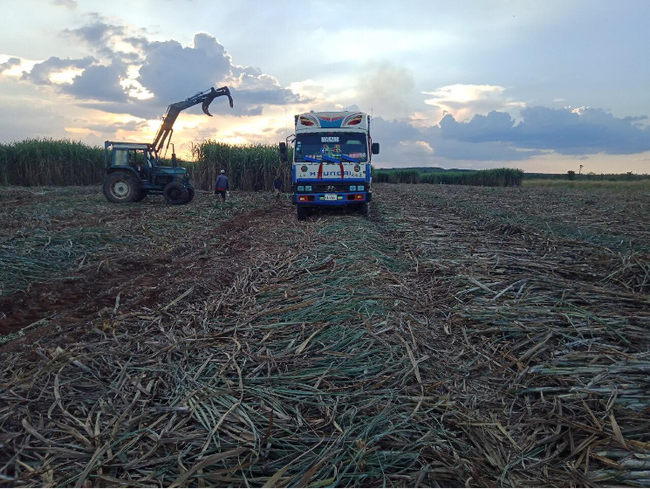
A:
[(190, 194), (176, 193), (121, 187)]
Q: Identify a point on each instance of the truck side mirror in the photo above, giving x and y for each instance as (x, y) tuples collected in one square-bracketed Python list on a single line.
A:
[(375, 148), (283, 152)]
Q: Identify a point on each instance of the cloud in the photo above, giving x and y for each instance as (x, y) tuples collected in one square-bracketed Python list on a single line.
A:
[(393, 132), (465, 101), (406, 145), (173, 72), (112, 128), (99, 82), (96, 33), (495, 126), (143, 109), (308, 88), (41, 73), (105, 38), (141, 77), (9, 64), (71, 4), (386, 88), (567, 131)]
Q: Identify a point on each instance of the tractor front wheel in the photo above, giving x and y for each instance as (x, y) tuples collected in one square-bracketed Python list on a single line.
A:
[(364, 209), (121, 187), (190, 194), (176, 193)]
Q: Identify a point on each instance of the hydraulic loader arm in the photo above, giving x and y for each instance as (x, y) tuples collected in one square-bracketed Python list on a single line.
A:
[(166, 129)]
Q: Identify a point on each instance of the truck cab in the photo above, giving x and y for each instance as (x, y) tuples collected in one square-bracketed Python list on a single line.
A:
[(332, 154)]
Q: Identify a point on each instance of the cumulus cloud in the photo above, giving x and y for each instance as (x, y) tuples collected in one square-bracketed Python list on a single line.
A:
[(104, 38), (453, 149), (96, 33), (99, 82), (406, 145), (167, 72), (566, 131), (131, 74), (173, 72), (9, 64), (393, 132), (464, 101), (41, 73), (495, 126)]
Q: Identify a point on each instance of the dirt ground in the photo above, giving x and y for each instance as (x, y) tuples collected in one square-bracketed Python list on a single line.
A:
[(461, 336)]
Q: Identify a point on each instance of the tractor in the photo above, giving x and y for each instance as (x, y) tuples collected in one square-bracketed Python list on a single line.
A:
[(135, 170)]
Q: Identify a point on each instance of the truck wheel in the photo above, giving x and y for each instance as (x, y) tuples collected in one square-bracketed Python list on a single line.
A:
[(121, 187), (190, 194), (176, 193), (364, 209), (143, 194), (302, 212)]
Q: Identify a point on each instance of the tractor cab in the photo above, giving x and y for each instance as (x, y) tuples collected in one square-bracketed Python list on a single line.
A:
[(134, 170)]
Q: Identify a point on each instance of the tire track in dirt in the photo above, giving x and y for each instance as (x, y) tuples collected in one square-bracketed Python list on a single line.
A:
[(71, 303)]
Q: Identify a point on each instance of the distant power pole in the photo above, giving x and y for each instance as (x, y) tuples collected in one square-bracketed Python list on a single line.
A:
[(580, 171)]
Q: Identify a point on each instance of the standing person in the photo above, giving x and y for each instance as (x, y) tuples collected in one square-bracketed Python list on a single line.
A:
[(221, 186), (277, 187)]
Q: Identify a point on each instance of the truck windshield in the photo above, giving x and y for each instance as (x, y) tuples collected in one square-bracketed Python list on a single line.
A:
[(315, 145)]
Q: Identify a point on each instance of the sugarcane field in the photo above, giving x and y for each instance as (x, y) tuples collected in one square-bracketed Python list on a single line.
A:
[(324, 244), (462, 335)]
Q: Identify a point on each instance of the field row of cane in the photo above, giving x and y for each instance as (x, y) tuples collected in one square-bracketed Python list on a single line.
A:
[(250, 167)]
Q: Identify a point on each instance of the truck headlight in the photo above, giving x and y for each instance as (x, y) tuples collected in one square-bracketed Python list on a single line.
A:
[(361, 187), (353, 188), (308, 188), (301, 189)]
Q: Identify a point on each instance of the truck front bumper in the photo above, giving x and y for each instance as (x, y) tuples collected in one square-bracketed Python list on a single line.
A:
[(343, 198)]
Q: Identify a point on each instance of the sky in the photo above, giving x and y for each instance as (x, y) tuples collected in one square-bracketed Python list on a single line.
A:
[(543, 86)]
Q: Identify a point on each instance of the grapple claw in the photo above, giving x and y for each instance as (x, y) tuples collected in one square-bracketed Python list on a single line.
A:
[(214, 94), (206, 103)]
